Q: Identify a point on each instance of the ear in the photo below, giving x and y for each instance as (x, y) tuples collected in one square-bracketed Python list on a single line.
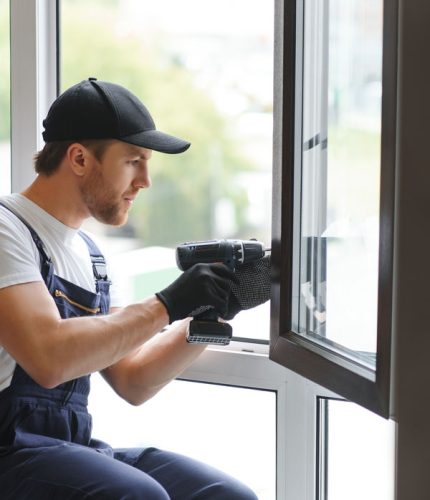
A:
[(79, 159)]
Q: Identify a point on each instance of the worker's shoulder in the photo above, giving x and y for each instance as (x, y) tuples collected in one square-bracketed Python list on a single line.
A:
[(12, 216)]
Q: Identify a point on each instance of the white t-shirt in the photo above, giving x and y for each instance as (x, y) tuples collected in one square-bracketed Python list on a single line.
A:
[(20, 260)]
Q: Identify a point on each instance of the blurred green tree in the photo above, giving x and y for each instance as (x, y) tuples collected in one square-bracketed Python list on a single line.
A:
[(180, 205)]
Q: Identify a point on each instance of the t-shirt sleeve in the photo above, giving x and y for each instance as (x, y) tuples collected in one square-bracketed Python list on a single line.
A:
[(19, 257)]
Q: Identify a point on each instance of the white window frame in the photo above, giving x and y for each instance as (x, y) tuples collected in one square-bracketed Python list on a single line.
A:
[(296, 411), (33, 75), (34, 84)]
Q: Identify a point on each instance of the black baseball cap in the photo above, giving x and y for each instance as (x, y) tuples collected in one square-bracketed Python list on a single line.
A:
[(94, 109)]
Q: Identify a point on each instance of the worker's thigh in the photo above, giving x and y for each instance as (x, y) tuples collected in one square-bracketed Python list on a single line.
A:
[(184, 478), (70, 472)]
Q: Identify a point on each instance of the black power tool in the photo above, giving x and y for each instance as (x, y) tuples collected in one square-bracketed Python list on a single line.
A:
[(206, 328)]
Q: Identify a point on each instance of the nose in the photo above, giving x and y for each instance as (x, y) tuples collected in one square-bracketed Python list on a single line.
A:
[(142, 179)]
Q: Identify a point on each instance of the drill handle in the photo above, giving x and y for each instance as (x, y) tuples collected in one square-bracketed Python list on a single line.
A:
[(209, 315), (206, 329)]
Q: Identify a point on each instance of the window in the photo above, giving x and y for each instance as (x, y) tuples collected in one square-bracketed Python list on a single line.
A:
[(212, 84), (231, 428), (5, 171), (203, 80), (335, 265), (357, 453), (334, 184)]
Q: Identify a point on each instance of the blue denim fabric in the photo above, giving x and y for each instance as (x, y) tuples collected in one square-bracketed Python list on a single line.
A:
[(46, 448)]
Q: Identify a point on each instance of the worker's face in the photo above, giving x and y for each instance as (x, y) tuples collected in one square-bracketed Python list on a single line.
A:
[(112, 184)]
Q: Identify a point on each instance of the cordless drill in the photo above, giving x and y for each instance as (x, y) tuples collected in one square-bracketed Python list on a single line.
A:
[(206, 328)]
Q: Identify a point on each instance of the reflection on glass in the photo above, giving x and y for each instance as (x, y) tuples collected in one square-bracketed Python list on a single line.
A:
[(231, 428), (359, 461), (207, 81), (340, 176), (5, 172)]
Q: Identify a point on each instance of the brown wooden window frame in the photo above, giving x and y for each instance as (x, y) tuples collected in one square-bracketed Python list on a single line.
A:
[(364, 386)]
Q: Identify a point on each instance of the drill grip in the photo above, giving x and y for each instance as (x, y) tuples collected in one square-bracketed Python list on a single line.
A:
[(206, 329)]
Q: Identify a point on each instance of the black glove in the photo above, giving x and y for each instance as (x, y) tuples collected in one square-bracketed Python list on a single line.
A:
[(198, 287), (251, 288)]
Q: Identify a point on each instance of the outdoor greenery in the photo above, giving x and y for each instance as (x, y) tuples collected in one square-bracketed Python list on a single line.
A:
[(353, 173), (186, 187), (180, 205)]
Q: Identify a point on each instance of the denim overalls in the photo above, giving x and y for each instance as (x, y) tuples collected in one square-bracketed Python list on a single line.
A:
[(31, 415), (46, 448)]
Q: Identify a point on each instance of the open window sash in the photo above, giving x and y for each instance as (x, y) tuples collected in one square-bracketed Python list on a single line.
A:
[(345, 349)]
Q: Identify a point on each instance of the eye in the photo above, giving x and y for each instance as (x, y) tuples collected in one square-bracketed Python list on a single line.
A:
[(134, 163)]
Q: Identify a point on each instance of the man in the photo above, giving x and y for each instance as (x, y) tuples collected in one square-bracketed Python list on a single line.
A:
[(59, 322)]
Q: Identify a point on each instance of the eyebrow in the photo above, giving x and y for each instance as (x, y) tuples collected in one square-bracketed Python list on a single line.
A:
[(137, 152)]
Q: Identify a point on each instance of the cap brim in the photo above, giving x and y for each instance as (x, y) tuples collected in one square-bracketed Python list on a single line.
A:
[(158, 141)]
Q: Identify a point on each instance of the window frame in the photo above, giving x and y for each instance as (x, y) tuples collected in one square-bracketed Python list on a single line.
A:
[(33, 74), (297, 403), (355, 382)]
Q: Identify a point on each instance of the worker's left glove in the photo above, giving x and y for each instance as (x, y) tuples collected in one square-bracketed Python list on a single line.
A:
[(252, 287)]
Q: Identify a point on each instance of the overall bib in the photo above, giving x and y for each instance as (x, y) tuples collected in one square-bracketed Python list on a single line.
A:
[(46, 448)]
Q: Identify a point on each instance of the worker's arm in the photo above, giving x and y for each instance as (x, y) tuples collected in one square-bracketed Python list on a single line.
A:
[(141, 374), (53, 350), (144, 372)]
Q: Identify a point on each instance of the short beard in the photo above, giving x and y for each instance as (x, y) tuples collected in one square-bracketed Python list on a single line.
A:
[(98, 197)]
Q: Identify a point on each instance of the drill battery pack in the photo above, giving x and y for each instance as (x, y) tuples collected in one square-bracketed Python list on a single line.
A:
[(209, 332)]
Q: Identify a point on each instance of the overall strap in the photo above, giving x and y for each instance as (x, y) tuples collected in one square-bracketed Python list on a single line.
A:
[(97, 258)]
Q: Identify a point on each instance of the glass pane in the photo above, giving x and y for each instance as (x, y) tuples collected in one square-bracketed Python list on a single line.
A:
[(360, 453), (233, 429), (5, 171), (336, 285), (207, 81)]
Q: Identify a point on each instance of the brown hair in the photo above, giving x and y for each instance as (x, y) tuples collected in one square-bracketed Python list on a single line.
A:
[(47, 160)]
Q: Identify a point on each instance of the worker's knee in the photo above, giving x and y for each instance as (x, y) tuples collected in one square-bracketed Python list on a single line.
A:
[(233, 490), (141, 488)]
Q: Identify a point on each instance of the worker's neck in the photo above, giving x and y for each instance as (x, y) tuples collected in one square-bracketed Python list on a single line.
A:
[(58, 198)]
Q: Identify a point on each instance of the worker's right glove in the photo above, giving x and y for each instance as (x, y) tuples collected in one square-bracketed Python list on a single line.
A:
[(198, 288), (251, 287)]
